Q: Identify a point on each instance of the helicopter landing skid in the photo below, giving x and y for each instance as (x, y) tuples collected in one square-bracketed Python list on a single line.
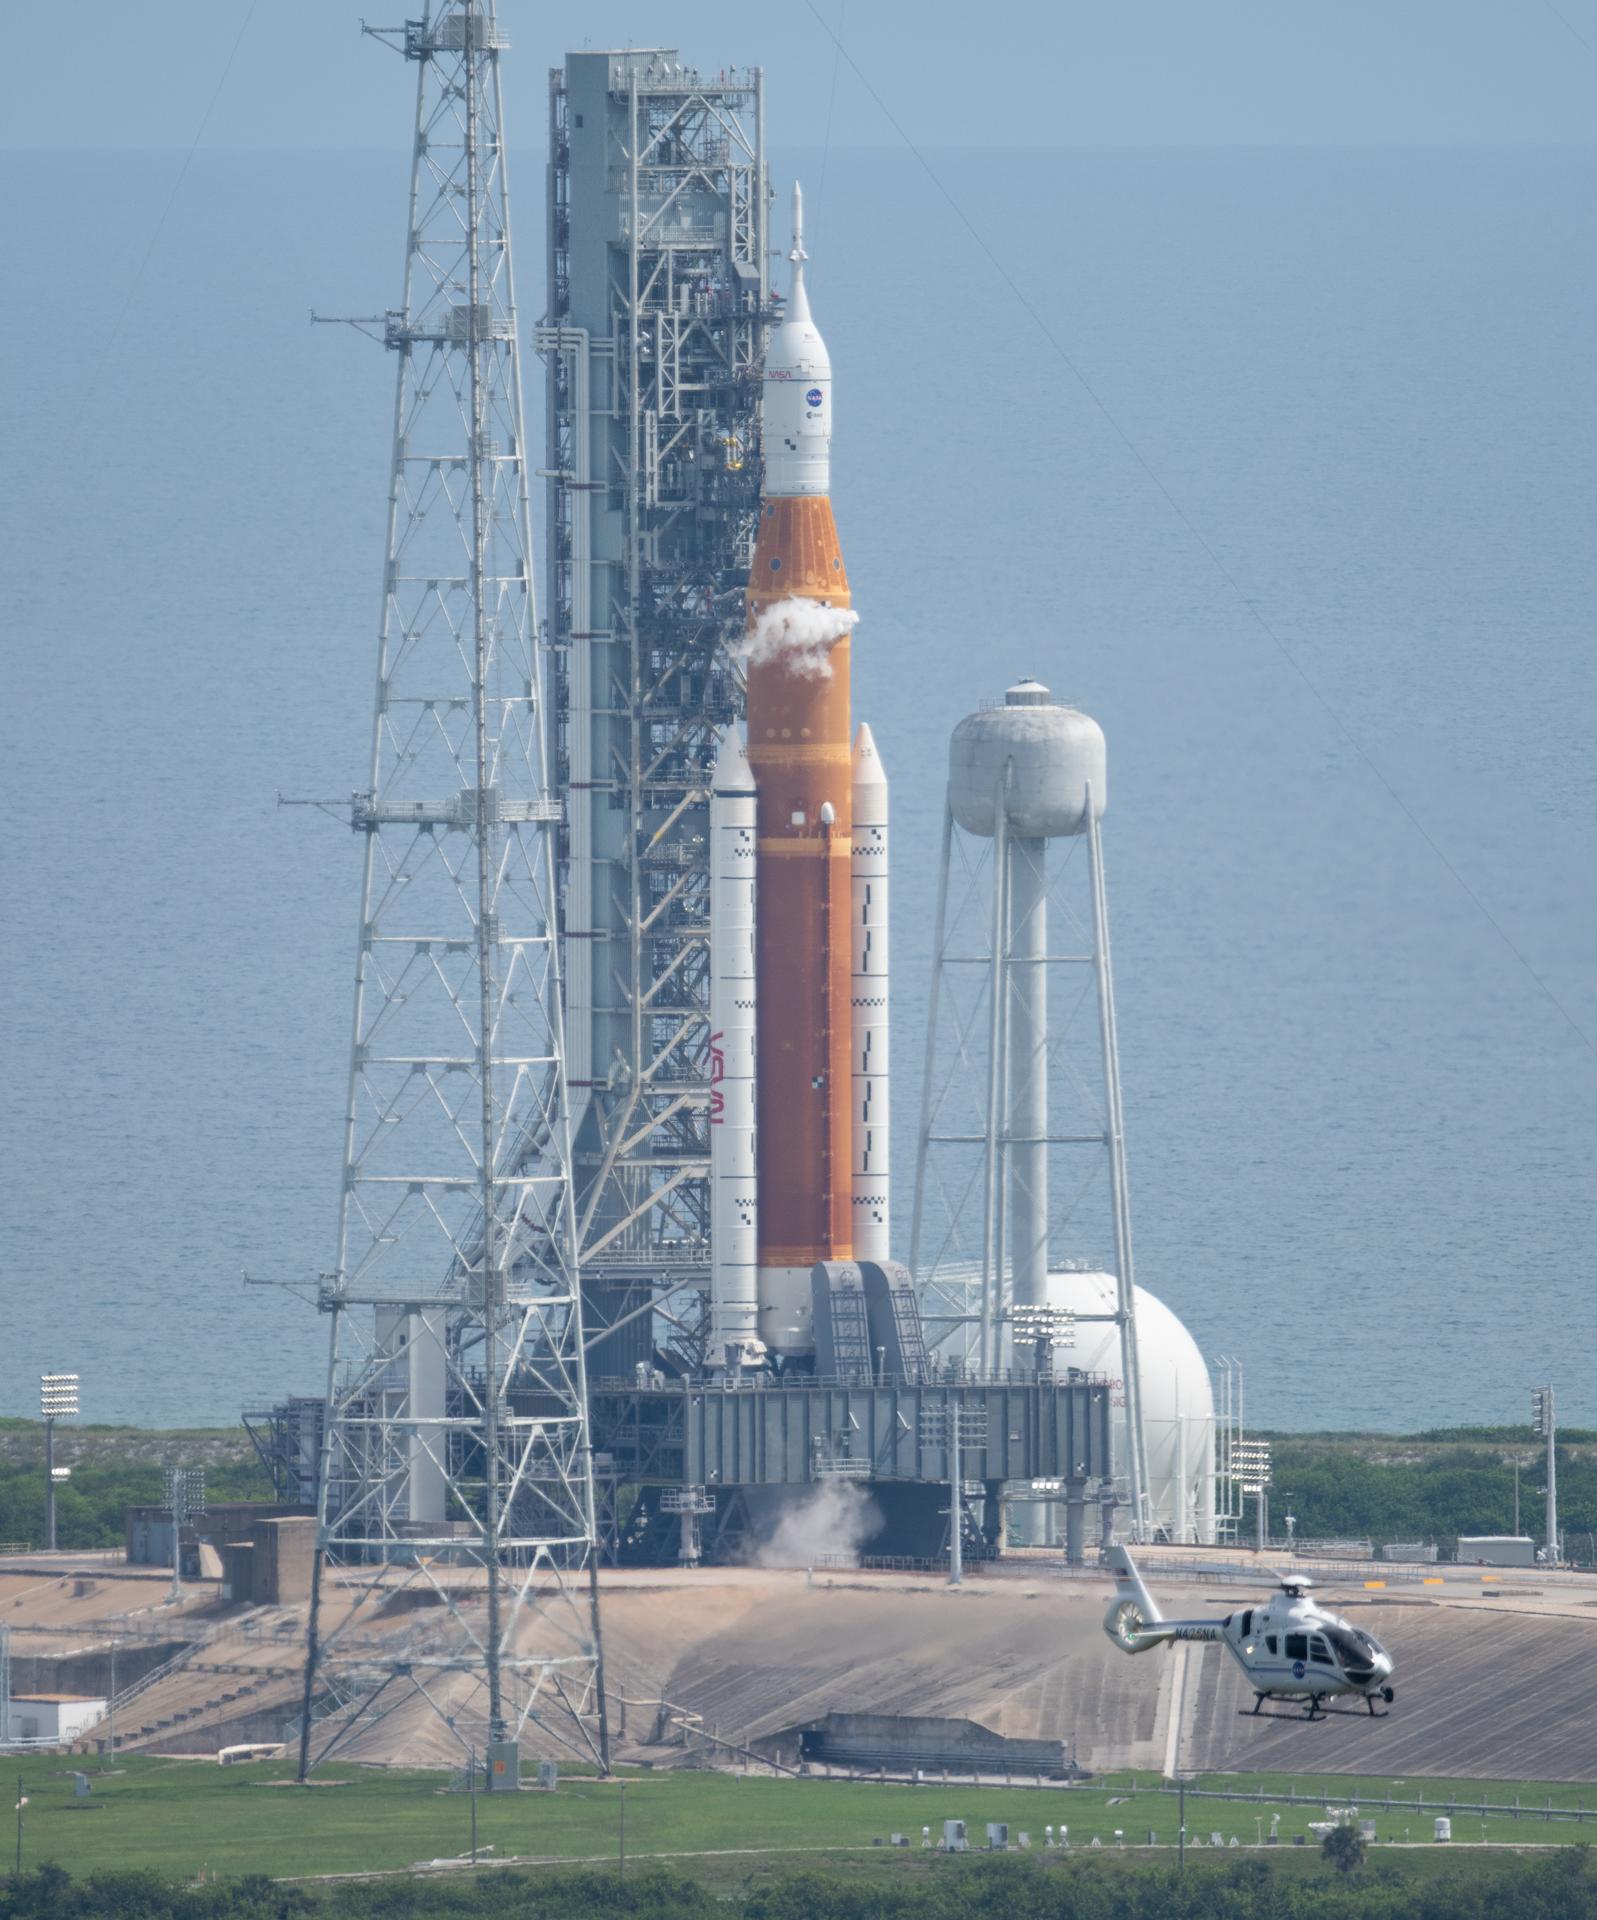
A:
[(1316, 1711)]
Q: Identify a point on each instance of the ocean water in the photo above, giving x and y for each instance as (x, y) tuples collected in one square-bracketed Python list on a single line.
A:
[(1360, 1130)]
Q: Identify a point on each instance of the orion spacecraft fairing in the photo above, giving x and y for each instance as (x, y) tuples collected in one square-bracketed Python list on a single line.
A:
[(798, 823)]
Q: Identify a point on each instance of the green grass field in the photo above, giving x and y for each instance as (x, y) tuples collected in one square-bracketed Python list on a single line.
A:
[(188, 1817)]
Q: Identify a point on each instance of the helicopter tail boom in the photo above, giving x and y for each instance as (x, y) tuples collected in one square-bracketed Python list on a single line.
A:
[(1134, 1621)]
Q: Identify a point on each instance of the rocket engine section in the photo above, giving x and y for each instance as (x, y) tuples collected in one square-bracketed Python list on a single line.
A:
[(819, 990)]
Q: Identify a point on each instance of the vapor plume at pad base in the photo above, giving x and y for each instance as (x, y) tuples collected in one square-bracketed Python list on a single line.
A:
[(832, 1523)]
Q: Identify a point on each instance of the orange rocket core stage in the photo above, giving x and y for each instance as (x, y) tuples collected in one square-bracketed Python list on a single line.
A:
[(799, 751)]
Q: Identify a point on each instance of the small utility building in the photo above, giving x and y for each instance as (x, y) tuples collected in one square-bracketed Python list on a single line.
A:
[(54, 1716)]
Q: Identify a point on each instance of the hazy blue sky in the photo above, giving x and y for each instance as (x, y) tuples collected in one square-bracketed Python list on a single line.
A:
[(1042, 72)]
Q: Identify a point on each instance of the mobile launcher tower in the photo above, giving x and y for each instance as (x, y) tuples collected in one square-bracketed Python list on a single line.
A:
[(659, 312), (657, 305)]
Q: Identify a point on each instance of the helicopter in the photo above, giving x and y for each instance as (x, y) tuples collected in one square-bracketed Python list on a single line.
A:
[(1290, 1647)]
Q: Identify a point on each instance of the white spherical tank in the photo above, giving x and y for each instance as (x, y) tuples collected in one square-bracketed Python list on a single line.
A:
[(1045, 756), (1177, 1397)]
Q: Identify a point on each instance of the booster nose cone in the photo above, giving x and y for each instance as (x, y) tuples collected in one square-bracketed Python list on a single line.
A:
[(868, 771), (732, 772)]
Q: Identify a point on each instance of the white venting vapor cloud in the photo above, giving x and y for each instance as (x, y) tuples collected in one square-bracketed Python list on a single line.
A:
[(832, 1523), (799, 633)]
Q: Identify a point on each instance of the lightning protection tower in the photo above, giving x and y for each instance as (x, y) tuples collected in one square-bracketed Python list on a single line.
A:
[(455, 1560)]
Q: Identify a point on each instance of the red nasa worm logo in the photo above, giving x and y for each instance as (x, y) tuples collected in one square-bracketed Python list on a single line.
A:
[(717, 1075)]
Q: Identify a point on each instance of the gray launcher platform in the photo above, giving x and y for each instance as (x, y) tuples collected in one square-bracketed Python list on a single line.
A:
[(790, 1433)]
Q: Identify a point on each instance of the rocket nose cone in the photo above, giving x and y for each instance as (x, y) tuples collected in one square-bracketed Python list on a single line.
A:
[(733, 773), (867, 761)]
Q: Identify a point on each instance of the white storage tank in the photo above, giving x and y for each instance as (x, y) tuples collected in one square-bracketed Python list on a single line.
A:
[(1177, 1397)]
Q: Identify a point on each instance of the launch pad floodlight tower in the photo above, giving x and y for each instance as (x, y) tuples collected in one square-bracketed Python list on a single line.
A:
[(1252, 1467), (657, 308), (58, 1400), (1544, 1423), (185, 1501), (455, 1483), (1008, 1084)]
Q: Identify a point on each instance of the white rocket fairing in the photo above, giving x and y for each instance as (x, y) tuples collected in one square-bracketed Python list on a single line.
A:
[(734, 1307), (869, 1003)]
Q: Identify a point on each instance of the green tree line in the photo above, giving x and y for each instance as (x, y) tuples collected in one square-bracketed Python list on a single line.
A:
[(1452, 1491), (1553, 1886), (91, 1507)]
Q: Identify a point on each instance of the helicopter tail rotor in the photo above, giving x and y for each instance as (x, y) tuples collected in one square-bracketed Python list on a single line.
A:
[(1133, 1621), (1125, 1625)]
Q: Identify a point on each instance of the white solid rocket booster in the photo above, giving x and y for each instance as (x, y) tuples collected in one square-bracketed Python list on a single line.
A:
[(734, 1303), (869, 995)]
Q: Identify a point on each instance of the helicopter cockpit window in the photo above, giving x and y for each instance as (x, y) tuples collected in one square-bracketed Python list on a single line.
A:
[(1320, 1650), (1354, 1650)]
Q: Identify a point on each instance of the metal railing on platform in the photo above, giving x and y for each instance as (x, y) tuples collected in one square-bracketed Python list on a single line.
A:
[(756, 1382)]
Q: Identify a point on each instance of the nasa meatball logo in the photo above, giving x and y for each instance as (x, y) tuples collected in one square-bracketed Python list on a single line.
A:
[(1298, 1669), (813, 397)]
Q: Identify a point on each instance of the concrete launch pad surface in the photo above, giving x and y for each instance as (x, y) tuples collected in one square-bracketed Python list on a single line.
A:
[(1492, 1687), (1486, 1688)]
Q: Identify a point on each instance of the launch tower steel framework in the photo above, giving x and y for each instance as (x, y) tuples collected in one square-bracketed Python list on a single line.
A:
[(657, 307), (455, 1483)]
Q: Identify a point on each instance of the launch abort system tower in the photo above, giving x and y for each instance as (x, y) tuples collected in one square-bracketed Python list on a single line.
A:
[(657, 305)]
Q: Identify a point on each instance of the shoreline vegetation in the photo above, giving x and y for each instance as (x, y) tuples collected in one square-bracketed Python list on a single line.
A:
[(1510, 1885)]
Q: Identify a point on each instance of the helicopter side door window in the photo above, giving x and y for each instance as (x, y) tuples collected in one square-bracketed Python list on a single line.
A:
[(1321, 1651), (1270, 1643), (1297, 1646)]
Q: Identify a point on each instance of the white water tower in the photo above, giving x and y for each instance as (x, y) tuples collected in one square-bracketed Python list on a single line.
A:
[(1022, 775)]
